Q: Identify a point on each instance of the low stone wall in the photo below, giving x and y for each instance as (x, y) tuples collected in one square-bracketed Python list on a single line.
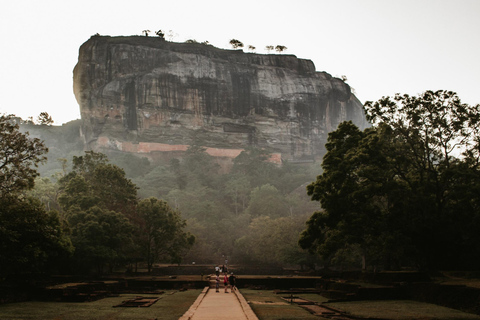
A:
[(183, 270), (151, 147), (270, 283)]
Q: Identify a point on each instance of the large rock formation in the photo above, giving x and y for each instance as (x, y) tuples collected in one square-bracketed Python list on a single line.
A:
[(145, 94)]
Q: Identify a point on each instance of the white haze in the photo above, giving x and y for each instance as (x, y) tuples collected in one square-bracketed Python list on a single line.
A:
[(381, 46)]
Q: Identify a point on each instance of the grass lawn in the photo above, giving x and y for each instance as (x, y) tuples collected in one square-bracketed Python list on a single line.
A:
[(171, 306), (401, 310), (269, 306), (451, 279)]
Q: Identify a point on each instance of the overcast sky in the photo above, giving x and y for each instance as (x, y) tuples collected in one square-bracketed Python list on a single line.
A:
[(381, 46)]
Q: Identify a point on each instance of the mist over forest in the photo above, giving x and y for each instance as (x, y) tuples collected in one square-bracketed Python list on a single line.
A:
[(403, 193), (253, 214)]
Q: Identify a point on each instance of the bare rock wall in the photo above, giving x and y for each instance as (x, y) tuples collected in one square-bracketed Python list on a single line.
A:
[(148, 90)]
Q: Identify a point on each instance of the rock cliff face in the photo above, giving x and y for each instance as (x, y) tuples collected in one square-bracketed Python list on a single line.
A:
[(145, 94)]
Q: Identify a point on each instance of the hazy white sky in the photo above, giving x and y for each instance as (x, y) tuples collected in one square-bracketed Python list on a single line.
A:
[(382, 46)]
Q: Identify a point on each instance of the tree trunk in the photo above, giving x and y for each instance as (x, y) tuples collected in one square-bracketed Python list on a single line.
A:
[(364, 259)]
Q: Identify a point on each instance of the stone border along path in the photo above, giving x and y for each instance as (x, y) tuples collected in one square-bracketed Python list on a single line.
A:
[(211, 305)]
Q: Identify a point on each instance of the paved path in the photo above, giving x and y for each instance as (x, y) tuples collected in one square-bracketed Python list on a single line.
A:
[(211, 305)]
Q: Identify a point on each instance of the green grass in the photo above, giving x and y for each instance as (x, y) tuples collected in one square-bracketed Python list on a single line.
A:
[(401, 310), (171, 306), (266, 304), (269, 306)]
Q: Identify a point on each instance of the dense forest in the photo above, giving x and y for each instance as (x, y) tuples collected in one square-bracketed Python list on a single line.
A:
[(404, 193), (251, 215)]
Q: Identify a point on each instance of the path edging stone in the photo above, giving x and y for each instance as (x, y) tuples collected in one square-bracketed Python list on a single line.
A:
[(190, 312), (247, 310)]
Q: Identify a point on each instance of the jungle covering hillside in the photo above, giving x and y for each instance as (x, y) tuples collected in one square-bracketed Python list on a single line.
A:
[(252, 215)]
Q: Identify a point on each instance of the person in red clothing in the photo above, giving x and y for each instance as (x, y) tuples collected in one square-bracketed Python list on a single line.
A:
[(225, 282)]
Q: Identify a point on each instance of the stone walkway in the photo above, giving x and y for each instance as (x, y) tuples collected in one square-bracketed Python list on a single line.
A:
[(211, 305)]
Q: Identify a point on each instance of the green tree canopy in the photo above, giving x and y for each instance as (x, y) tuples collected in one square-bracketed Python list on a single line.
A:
[(238, 188), (98, 202), (273, 241), (393, 189), (252, 162), (267, 201), (46, 191), (101, 238), (95, 182), (161, 234), (349, 213), (432, 129), (199, 166), (19, 157), (31, 239), (434, 125)]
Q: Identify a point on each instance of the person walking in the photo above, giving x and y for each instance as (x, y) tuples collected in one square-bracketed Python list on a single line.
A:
[(217, 283), (232, 279), (225, 282)]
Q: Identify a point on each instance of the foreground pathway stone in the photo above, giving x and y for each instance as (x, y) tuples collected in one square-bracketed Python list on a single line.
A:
[(211, 305)]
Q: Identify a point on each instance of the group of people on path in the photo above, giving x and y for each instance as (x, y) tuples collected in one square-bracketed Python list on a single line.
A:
[(227, 280)]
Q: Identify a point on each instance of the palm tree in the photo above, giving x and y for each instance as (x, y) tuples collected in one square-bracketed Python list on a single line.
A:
[(145, 32)]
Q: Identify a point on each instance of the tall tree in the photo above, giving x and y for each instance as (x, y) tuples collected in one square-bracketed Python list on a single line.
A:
[(393, 189), (31, 239), (434, 127), (161, 234), (101, 238), (356, 192), (435, 124), (93, 181), (19, 157), (339, 191), (46, 191), (200, 166), (238, 189), (98, 201)]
